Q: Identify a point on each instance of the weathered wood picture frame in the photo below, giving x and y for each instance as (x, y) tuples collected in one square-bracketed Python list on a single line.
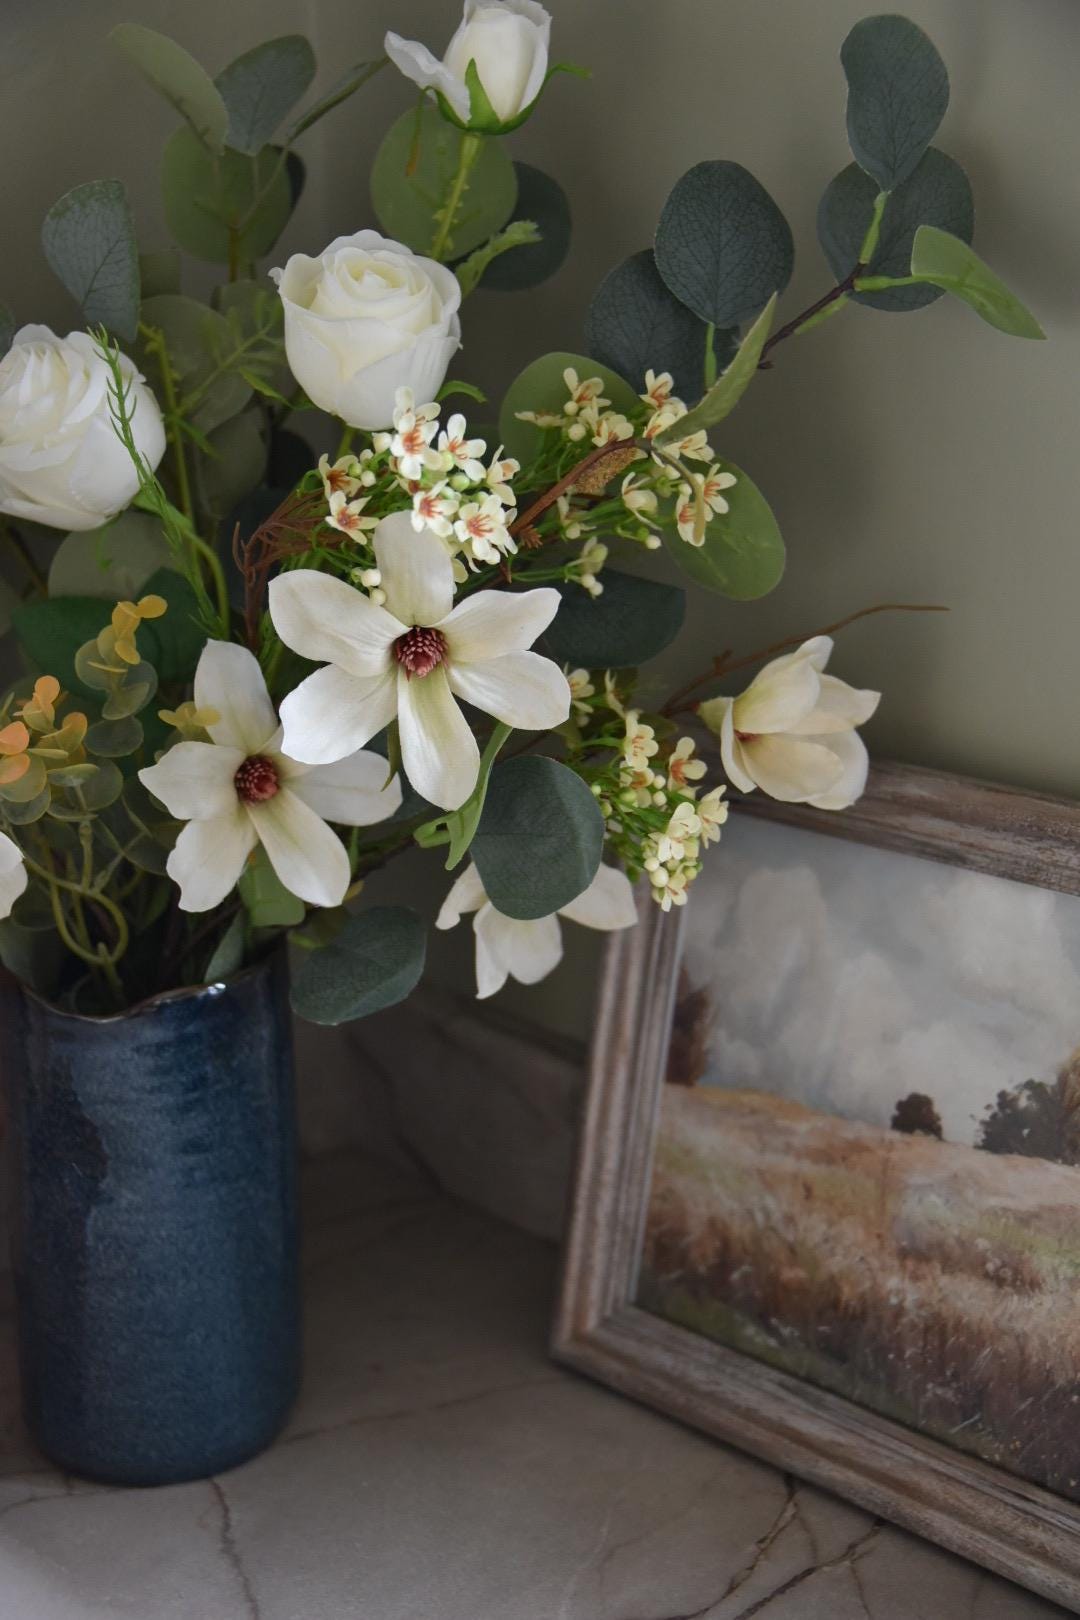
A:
[(972, 1507)]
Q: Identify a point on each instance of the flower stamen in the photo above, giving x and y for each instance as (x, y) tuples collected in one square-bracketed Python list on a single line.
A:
[(420, 650), (257, 780)]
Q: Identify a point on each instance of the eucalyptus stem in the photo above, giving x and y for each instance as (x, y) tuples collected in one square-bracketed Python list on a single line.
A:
[(155, 342), (446, 218)]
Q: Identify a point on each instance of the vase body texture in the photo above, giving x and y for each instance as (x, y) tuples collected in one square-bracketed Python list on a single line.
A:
[(153, 1226)]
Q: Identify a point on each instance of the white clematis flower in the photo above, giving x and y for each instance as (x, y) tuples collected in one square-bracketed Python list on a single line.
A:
[(242, 788), (792, 732), (528, 951), (507, 39), (12, 874), (413, 659)]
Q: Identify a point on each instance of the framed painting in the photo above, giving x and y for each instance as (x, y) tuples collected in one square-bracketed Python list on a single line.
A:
[(828, 1197)]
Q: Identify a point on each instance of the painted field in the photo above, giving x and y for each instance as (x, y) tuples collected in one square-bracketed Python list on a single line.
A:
[(930, 1281)]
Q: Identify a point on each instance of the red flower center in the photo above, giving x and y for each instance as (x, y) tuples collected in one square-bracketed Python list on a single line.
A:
[(420, 650), (256, 780)]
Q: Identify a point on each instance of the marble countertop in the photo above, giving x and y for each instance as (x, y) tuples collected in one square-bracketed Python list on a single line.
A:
[(440, 1467)]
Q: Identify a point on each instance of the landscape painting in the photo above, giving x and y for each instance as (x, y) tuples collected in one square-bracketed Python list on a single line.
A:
[(867, 1162)]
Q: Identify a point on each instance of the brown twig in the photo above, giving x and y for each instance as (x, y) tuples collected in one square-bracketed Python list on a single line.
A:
[(285, 533), (723, 664)]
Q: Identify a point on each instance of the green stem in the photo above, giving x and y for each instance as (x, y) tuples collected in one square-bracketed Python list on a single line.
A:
[(446, 218), (155, 342), (710, 355)]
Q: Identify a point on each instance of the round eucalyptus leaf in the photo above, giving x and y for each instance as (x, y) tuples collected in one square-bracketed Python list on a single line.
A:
[(412, 175), (112, 739), (898, 90), (629, 623), (236, 464), (543, 200), (200, 343), (261, 86), (183, 82), (540, 837), (937, 192), (209, 200), (373, 962), (541, 387), (112, 562), (722, 246), (743, 552), (89, 241), (635, 323)]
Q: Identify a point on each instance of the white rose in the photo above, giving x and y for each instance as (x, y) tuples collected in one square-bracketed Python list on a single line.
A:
[(507, 39), (792, 732), (61, 462), (365, 318)]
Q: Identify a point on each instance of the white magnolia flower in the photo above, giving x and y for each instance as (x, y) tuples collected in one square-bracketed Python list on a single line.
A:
[(12, 874), (61, 462), (507, 39), (792, 732), (365, 318), (413, 659), (527, 951), (242, 788)]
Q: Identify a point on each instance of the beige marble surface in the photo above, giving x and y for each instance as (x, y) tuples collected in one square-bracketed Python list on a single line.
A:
[(440, 1467)]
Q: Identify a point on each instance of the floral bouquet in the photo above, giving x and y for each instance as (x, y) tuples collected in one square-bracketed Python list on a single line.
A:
[(283, 612)]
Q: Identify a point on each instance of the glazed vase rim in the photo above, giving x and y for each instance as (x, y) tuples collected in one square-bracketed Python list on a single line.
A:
[(184, 992)]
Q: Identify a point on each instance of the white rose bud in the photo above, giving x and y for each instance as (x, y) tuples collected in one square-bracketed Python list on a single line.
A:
[(364, 319), (507, 39), (61, 461)]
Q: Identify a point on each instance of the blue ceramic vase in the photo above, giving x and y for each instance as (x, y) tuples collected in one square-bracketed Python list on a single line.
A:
[(154, 1234)]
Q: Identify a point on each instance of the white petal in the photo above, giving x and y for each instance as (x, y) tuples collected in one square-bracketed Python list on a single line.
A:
[(607, 903), (417, 573), (228, 679), (467, 894), (208, 858), (491, 971), (840, 707), (791, 768), (717, 715), (495, 622), (817, 652), (321, 617), (521, 689), (438, 750), (528, 951), (350, 792), (418, 64), (13, 874), (850, 750), (307, 856), (332, 714), (777, 699), (194, 780)]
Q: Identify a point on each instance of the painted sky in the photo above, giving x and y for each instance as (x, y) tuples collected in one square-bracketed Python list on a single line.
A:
[(847, 977)]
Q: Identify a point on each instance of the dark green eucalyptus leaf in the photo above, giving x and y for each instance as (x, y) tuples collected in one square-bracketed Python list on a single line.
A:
[(180, 79), (412, 174), (722, 246), (173, 642), (232, 207), (629, 623), (36, 957), (51, 633), (739, 372), (947, 262), (743, 552), (113, 739), (238, 462), (540, 837), (635, 323), (937, 192), (7, 329), (543, 200), (898, 90), (112, 562), (89, 241), (540, 387), (375, 961), (261, 87)]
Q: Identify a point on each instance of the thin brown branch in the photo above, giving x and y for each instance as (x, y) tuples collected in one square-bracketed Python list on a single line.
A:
[(723, 664)]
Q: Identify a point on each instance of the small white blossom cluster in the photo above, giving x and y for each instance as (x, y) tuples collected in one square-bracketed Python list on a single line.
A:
[(468, 503), (656, 822)]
